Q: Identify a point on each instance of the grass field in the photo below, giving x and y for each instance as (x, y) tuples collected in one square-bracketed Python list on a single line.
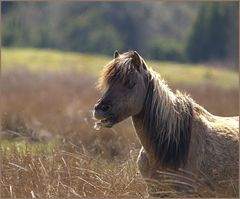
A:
[(49, 147), (49, 60)]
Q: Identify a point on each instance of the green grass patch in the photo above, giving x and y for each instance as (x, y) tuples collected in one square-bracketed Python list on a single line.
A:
[(24, 147), (45, 60)]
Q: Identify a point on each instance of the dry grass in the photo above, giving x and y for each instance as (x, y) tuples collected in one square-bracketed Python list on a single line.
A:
[(67, 172), (62, 155)]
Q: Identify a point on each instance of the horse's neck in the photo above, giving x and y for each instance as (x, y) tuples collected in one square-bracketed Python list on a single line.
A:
[(140, 131), (138, 120), (168, 125)]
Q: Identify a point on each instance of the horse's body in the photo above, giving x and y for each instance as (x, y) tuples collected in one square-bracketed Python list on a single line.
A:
[(213, 151), (175, 132)]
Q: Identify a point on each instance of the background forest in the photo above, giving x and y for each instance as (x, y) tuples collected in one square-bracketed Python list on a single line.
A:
[(195, 32)]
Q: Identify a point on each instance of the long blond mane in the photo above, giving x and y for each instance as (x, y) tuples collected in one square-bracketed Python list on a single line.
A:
[(167, 120)]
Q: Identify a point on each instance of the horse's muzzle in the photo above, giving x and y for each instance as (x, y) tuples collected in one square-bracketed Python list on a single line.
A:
[(102, 111)]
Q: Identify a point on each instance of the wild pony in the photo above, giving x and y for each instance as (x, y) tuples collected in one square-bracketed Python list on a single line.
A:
[(179, 137)]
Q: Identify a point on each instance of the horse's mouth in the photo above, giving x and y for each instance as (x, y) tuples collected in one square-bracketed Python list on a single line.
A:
[(106, 122)]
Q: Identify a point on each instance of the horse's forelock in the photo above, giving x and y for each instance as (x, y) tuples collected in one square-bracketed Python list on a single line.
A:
[(119, 69)]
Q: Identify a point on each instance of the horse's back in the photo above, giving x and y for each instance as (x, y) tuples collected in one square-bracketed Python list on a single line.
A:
[(228, 126), (222, 153)]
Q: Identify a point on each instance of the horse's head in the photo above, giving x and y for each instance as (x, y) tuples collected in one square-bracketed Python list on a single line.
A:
[(124, 83)]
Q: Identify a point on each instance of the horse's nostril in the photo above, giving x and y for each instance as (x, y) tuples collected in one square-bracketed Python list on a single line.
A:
[(102, 107), (105, 107)]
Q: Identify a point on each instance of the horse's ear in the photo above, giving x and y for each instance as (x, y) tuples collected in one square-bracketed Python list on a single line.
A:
[(137, 61), (116, 54)]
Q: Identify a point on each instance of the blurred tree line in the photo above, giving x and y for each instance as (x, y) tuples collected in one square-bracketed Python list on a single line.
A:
[(214, 34), (161, 30)]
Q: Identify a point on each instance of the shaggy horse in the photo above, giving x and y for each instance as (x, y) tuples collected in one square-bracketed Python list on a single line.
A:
[(179, 137)]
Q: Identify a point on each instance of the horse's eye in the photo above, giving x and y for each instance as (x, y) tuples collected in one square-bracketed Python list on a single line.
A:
[(131, 85)]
